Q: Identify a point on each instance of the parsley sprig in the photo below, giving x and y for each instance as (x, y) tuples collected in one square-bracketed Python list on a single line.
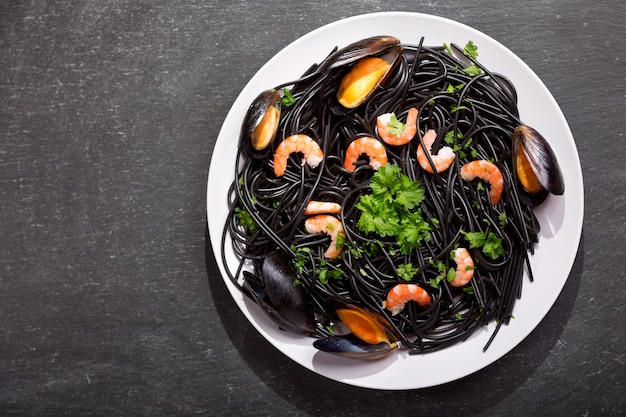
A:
[(287, 99), (470, 50), (392, 209), (490, 244), (245, 220)]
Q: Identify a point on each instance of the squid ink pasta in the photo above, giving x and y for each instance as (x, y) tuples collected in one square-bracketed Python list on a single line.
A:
[(409, 210)]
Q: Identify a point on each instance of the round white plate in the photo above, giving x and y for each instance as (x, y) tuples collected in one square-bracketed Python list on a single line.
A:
[(560, 217)]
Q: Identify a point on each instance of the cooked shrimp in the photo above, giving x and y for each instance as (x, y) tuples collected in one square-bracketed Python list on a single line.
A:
[(365, 145), (400, 133), (401, 294), (322, 207), (487, 171), (441, 161), (325, 223), (311, 151), (464, 267)]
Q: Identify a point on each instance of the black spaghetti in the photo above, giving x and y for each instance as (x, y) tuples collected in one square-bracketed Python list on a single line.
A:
[(474, 113)]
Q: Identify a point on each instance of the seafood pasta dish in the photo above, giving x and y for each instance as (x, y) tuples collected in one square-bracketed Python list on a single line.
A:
[(384, 200)]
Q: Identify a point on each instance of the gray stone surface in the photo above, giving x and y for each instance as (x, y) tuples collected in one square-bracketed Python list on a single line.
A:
[(110, 299)]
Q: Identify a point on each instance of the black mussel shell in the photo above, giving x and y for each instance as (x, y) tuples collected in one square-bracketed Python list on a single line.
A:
[(266, 103), (540, 156), (357, 50), (532, 199), (348, 95), (366, 324), (275, 292), (352, 347)]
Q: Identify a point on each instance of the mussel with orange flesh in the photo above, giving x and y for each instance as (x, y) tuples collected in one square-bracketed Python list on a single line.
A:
[(372, 336), (360, 49), (275, 291), (366, 76), (535, 165), (260, 123), (350, 346)]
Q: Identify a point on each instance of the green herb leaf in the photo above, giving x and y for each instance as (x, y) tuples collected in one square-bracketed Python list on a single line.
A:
[(451, 275), (390, 210), (471, 50), (473, 70), (410, 194), (454, 109), (287, 99), (406, 271), (441, 268), (475, 239), (502, 220), (396, 127), (322, 275), (413, 231), (340, 241), (377, 216), (449, 137), (493, 246), (245, 219), (356, 252)]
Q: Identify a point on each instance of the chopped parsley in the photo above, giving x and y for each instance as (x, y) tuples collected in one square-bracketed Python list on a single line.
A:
[(245, 220), (475, 239), (441, 268), (287, 99), (473, 70), (471, 50), (406, 271), (502, 219), (396, 127), (491, 244), (324, 273), (454, 108)]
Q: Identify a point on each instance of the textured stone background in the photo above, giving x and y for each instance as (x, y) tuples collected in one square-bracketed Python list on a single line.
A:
[(110, 300)]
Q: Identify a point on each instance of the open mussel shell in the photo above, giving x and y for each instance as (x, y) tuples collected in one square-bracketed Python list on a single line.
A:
[(350, 346), (366, 324), (275, 292), (535, 165), (357, 50), (365, 76), (260, 123), (372, 335)]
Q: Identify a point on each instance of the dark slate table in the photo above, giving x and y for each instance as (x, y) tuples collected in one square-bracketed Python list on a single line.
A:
[(110, 298)]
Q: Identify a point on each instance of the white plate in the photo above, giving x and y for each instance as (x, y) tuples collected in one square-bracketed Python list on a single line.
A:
[(560, 217)]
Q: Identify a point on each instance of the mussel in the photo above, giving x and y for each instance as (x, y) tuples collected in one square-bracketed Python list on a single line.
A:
[(360, 49), (275, 291), (260, 123), (352, 347), (372, 336), (535, 166), (365, 76)]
